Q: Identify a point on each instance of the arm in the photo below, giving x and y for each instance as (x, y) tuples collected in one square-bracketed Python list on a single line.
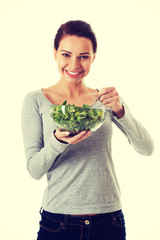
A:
[(137, 135), (39, 158)]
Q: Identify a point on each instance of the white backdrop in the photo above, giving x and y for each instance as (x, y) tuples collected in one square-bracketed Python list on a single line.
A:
[(128, 58)]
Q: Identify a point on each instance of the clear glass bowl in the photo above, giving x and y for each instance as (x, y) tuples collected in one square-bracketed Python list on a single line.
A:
[(76, 119)]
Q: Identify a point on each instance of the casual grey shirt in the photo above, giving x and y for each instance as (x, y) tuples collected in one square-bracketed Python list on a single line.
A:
[(81, 177)]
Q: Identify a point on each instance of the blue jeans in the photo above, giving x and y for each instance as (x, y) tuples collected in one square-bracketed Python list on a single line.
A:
[(106, 226)]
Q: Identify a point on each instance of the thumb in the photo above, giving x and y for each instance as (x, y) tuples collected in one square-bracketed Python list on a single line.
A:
[(61, 133)]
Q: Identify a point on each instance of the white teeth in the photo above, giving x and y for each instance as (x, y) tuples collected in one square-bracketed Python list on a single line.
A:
[(73, 73)]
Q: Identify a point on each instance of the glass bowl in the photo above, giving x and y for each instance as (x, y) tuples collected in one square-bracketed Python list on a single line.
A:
[(76, 119)]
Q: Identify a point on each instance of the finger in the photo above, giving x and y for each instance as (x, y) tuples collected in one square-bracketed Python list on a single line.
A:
[(111, 99), (106, 90), (72, 139), (77, 137), (86, 135), (61, 134), (113, 105), (109, 95)]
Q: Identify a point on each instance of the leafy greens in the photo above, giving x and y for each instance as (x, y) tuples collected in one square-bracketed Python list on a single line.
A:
[(76, 119)]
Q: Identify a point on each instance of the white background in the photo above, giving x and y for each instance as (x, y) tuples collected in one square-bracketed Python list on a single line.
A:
[(128, 58)]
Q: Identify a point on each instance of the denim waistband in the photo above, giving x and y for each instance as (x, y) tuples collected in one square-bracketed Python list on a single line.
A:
[(84, 219)]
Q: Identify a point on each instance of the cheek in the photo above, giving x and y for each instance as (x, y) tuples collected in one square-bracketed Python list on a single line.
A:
[(62, 64), (88, 66)]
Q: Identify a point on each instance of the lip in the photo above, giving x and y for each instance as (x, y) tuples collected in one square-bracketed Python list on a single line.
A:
[(74, 75)]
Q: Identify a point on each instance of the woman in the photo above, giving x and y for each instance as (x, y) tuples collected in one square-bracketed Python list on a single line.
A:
[(82, 199)]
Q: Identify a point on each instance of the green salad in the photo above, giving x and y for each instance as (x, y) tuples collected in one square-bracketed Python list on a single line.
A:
[(76, 119)]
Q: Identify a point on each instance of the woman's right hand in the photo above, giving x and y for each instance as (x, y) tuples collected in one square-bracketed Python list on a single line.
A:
[(65, 137)]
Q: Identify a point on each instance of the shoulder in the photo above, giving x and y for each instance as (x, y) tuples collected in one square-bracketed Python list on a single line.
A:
[(31, 109), (33, 96), (32, 101), (93, 90)]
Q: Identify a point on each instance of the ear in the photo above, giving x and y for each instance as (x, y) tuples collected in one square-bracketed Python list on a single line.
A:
[(55, 53), (93, 58)]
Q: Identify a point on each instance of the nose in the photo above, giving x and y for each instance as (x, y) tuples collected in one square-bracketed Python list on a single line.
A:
[(74, 64)]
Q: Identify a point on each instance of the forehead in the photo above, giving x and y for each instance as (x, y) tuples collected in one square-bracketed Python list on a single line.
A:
[(75, 44)]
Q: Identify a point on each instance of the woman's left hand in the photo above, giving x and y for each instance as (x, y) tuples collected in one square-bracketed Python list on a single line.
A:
[(110, 98)]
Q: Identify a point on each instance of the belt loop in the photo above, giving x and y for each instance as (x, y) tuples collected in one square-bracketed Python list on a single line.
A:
[(65, 222)]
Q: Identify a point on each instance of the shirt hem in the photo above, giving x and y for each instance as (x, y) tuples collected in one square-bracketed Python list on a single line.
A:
[(89, 210)]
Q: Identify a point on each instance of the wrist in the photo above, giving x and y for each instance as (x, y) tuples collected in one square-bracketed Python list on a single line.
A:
[(120, 113)]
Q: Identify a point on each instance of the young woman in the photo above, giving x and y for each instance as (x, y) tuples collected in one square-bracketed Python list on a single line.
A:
[(82, 199)]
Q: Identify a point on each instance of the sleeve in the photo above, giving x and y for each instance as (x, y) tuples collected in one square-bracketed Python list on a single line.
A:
[(137, 135), (39, 158)]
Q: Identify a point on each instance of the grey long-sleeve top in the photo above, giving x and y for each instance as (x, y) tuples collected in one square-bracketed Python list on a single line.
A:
[(81, 177)]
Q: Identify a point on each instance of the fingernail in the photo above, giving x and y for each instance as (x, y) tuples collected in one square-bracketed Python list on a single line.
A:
[(83, 132), (89, 133), (67, 133)]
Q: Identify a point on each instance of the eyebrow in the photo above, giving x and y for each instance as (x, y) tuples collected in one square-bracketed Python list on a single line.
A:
[(84, 53), (79, 54)]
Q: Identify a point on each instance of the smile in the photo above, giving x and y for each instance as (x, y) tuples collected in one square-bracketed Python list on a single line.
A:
[(73, 74)]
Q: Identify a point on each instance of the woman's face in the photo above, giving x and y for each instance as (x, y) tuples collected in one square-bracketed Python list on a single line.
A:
[(74, 58)]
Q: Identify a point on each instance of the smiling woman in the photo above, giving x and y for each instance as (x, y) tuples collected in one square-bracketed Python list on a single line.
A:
[(82, 199)]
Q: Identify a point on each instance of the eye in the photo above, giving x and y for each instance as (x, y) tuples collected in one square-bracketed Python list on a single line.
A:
[(83, 57), (66, 55)]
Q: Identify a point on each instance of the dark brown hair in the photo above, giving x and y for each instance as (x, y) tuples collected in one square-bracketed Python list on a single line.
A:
[(78, 28)]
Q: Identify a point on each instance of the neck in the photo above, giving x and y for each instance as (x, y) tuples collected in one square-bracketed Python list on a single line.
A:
[(71, 90)]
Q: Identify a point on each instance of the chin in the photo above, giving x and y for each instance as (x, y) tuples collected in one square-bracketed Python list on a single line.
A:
[(75, 81)]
